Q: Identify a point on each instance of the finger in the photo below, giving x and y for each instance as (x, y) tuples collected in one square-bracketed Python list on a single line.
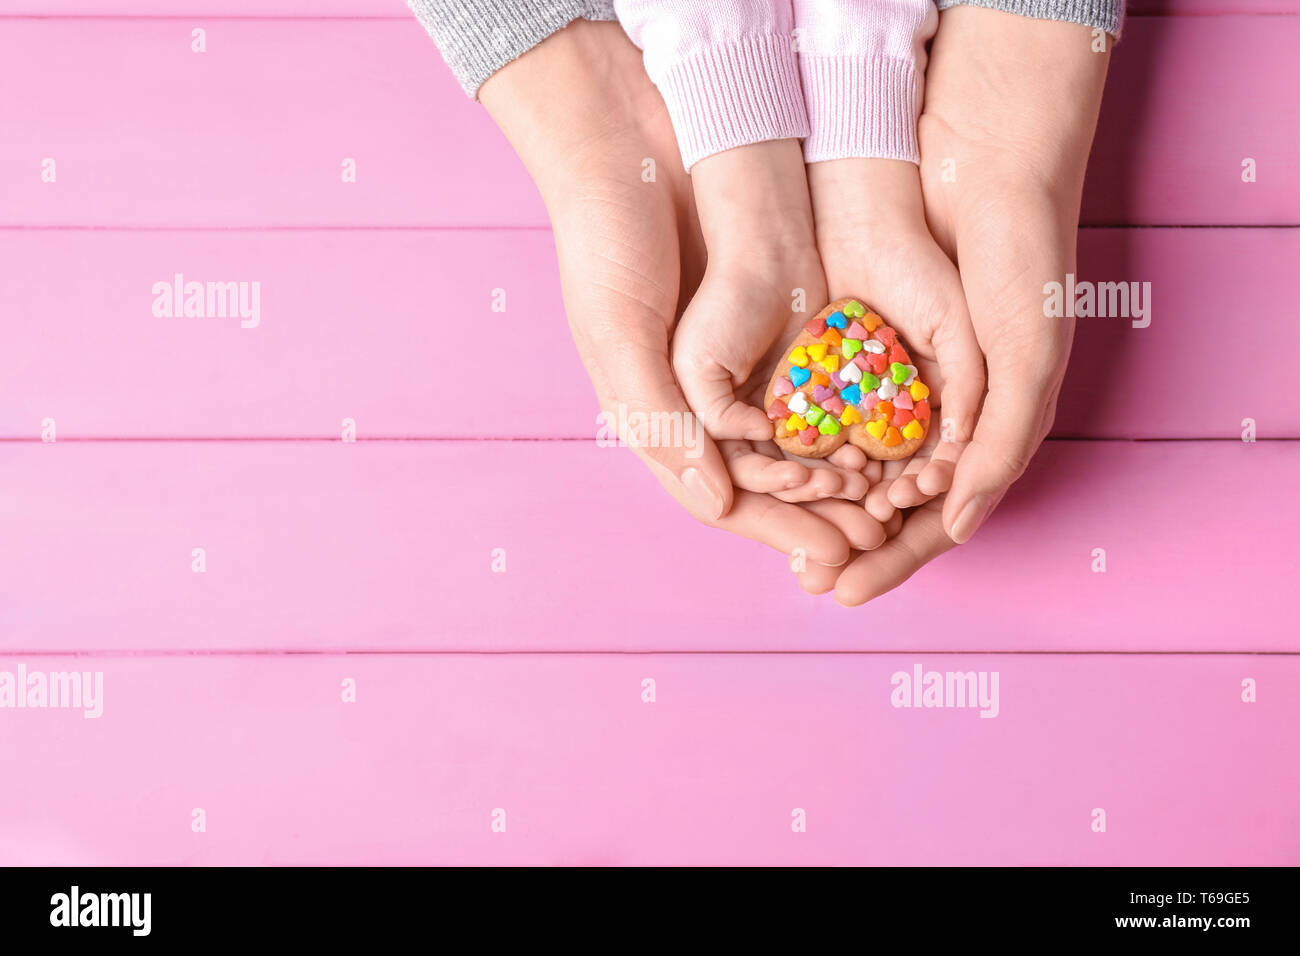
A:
[(817, 578), (863, 531), (921, 539), (753, 471), (710, 390), (790, 529), (649, 412), (822, 483), (1010, 429)]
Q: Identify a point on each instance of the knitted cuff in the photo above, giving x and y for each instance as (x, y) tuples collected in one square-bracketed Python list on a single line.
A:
[(742, 92), (860, 107), (1106, 15), (478, 37)]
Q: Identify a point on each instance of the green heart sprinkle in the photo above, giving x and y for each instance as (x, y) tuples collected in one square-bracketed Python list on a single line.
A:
[(814, 415), (898, 372), (869, 382), (850, 347), (829, 426), (854, 309)]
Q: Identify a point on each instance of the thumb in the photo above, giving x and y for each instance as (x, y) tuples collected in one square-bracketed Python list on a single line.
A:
[(643, 405), (1011, 426)]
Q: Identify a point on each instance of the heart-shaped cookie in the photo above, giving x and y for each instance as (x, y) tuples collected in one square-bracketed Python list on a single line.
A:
[(847, 377)]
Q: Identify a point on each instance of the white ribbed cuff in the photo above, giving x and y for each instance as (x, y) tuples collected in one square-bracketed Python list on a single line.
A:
[(742, 92), (860, 107)]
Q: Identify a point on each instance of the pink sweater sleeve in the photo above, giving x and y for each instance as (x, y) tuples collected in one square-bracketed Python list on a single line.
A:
[(726, 68), (863, 68)]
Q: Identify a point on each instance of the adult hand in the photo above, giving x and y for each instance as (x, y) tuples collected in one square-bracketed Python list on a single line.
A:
[(590, 127), (1010, 110)]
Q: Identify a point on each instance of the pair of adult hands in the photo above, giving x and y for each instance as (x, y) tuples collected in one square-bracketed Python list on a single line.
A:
[(1009, 115)]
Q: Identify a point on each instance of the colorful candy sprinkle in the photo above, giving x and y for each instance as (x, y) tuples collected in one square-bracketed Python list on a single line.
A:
[(893, 437), (877, 428), (829, 426), (850, 347), (913, 430), (822, 392), (856, 331), (815, 326), (850, 373), (808, 436), (870, 381), (884, 410), (922, 410), (901, 417), (887, 388), (903, 399), (830, 363), (897, 354), (855, 309), (799, 356), (920, 390), (898, 372), (911, 375), (798, 375), (886, 335), (851, 395), (836, 320), (877, 363), (873, 346), (834, 405), (782, 387), (872, 321), (817, 352), (795, 424), (814, 415), (798, 403), (832, 338), (778, 410), (851, 416)]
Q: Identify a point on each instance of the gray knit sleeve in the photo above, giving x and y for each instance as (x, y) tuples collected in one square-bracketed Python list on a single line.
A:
[(1107, 15), (478, 37)]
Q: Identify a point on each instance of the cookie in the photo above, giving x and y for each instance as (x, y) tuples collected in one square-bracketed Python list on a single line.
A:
[(847, 377)]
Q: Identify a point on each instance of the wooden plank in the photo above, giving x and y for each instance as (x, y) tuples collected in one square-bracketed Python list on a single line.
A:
[(711, 772), (254, 131), (390, 546), (361, 325)]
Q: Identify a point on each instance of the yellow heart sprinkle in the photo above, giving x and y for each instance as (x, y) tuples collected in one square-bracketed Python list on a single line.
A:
[(919, 390), (795, 424), (851, 416), (799, 357), (877, 428), (913, 429), (831, 363), (818, 351)]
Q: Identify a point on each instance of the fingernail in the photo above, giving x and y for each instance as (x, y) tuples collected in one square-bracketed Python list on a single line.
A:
[(970, 519), (706, 497)]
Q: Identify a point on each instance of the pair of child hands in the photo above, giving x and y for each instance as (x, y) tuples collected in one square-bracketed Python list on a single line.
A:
[(782, 240)]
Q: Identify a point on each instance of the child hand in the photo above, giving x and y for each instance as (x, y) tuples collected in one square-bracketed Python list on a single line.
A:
[(874, 243), (762, 282)]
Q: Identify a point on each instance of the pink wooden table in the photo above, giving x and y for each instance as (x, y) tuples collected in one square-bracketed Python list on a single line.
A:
[(351, 681)]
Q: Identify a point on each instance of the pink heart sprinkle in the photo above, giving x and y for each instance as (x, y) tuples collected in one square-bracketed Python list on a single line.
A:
[(837, 381), (856, 331), (834, 405), (902, 400), (821, 393), (783, 386)]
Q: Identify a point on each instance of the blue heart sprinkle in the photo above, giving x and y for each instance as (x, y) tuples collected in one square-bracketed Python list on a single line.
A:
[(836, 320), (851, 395), (799, 375)]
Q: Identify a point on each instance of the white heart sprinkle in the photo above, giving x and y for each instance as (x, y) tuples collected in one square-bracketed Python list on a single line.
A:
[(871, 345), (911, 374), (851, 373), (887, 389), (798, 403)]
